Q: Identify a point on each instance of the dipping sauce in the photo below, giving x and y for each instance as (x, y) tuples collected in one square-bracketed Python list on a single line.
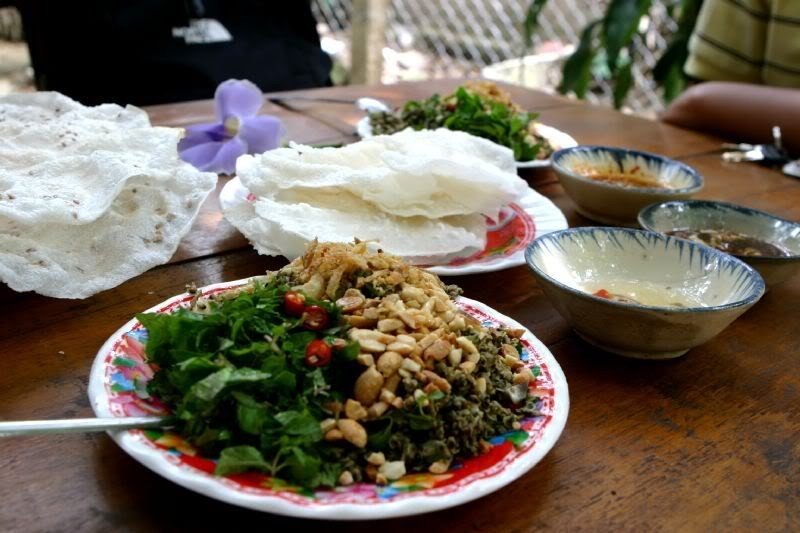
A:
[(629, 180), (645, 293), (732, 242), (602, 293)]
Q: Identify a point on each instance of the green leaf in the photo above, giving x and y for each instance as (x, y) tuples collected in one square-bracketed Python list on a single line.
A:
[(434, 450), (419, 422), (623, 81), (379, 433), (619, 25), (235, 459), (189, 371), (249, 413), (300, 424), (303, 468), (532, 20), (668, 70), (577, 72), (675, 83)]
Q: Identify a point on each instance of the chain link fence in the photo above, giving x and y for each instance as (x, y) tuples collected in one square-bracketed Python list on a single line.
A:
[(454, 38)]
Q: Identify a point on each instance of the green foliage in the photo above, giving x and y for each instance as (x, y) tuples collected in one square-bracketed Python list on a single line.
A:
[(578, 67), (619, 25), (237, 381), (532, 20), (611, 37), (463, 111), (668, 71)]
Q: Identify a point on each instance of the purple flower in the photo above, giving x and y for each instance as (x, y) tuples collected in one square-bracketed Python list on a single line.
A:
[(214, 147)]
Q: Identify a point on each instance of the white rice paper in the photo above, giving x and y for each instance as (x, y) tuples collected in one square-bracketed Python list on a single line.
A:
[(89, 196), (418, 194)]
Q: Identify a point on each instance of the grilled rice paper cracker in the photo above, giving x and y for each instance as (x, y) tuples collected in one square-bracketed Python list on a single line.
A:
[(426, 173), (257, 230), (62, 162), (288, 228), (141, 229)]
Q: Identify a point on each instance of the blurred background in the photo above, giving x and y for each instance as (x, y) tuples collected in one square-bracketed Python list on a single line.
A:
[(386, 41)]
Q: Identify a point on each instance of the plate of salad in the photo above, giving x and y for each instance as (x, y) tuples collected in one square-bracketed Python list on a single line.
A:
[(347, 385), (478, 108)]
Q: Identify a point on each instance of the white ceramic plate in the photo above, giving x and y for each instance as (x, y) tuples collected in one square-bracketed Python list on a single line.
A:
[(557, 138), (119, 371), (531, 216)]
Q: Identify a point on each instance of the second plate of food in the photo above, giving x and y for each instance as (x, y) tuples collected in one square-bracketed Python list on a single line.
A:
[(479, 108)]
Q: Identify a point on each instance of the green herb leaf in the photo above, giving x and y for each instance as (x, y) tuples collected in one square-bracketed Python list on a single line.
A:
[(236, 459)]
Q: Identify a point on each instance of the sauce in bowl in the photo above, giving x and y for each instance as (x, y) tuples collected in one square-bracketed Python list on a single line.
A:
[(732, 242), (629, 180), (641, 292)]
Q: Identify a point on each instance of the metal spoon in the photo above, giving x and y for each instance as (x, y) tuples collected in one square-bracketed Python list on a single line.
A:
[(81, 425)]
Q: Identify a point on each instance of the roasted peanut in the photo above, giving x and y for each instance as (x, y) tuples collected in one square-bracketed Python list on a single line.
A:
[(369, 345), (467, 366), (386, 396), (354, 410), (389, 363), (400, 347), (389, 324), (376, 458), (454, 357), (410, 365), (392, 382), (524, 375), (333, 434), (438, 350), (368, 386), (377, 409), (353, 432), (393, 470), (365, 359)]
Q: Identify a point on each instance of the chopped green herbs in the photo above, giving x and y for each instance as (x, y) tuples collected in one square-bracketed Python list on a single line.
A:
[(464, 111), (237, 379)]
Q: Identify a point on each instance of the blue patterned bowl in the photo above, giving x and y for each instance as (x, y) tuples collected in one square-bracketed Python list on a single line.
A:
[(706, 215), (611, 202), (682, 293)]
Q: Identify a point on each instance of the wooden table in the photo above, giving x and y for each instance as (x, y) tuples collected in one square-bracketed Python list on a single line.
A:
[(706, 441)]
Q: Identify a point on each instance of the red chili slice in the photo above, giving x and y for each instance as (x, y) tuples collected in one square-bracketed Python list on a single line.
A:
[(294, 303), (318, 353), (602, 293), (315, 317)]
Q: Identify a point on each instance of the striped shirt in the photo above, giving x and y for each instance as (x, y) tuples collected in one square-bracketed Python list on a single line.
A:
[(752, 41)]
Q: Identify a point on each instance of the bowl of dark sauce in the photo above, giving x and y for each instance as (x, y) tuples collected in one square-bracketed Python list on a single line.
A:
[(768, 243)]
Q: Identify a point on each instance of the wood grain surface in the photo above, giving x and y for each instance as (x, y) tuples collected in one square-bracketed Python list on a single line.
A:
[(708, 441)]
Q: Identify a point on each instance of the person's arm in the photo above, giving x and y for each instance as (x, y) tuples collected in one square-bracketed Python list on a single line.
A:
[(739, 112)]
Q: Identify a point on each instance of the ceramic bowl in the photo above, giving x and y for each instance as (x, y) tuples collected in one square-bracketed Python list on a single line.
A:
[(708, 215), (712, 288), (611, 202)]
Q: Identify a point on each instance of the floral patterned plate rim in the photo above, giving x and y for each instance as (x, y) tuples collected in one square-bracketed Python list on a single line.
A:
[(119, 375), (531, 216)]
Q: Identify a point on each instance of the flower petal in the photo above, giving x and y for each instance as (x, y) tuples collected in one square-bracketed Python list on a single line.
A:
[(201, 134), (237, 98), (261, 133), (219, 157)]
